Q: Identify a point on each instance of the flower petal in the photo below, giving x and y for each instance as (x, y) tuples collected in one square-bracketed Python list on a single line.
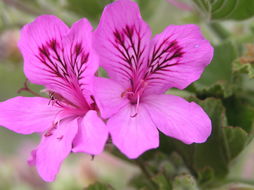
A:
[(37, 40), (82, 58), (54, 149), (58, 57), (92, 134), (178, 118), (122, 40), (133, 133), (108, 96), (178, 57), (27, 115)]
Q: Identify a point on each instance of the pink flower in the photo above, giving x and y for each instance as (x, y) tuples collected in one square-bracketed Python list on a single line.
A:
[(62, 60), (141, 71)]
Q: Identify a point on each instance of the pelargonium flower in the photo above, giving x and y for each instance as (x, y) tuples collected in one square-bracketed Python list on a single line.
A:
[(62, 60), (141, 70)]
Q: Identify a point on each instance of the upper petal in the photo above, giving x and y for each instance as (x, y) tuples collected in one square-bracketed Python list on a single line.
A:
[(83, 60), (121, 40), (178, 56), (92, 134), (27, 115), (133, 133), (108, 96), (178, 118), (58, 57), (54, 149), (36, 40)]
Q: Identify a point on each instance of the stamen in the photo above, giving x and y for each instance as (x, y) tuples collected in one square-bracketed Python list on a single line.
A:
[(50, 131), (126, 92), (137, 106), (52, 98)]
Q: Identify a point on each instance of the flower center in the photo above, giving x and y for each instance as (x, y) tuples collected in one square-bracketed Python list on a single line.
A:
[(134, 94)]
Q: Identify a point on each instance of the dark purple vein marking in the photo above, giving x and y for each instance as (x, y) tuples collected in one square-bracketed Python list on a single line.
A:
[(164, 56), (68, 65), (128, 42), (57, 63)]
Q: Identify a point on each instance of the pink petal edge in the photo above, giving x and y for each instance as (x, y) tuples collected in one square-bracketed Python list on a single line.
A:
[(178, 118), (27, 115), (53, 149)]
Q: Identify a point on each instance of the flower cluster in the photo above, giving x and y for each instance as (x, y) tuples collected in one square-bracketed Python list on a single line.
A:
[(130, 106)]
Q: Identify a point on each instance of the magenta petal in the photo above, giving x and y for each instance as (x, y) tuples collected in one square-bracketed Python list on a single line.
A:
[(92, 134), (108, 95), (27, 115), (82, 59), (59, 58), (54, 149), (122, 41), (133, 133), (35, 41), (178, 118), (178, 57)]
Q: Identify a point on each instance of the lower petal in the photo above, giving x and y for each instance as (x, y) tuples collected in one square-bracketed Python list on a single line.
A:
[(92, 134), (133, 133), (27, 115), (178, 118), (54, 149)]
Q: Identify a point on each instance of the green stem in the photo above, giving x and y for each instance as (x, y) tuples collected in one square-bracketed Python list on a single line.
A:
[(219, 30)]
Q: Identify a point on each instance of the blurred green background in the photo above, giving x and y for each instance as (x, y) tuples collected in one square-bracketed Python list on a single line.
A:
[(79, 170)]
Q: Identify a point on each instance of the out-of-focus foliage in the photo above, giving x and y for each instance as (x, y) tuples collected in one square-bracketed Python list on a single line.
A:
[(99, 186), (225, 9)]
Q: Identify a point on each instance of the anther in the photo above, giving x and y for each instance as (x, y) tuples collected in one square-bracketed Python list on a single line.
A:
[(50, 131)]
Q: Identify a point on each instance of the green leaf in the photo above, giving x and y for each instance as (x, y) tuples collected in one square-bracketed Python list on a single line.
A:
[(244, 67), (220, 69), (219, 89), (236, 139), (239, 113), (217, 79), (99, 186), (226, 9)]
